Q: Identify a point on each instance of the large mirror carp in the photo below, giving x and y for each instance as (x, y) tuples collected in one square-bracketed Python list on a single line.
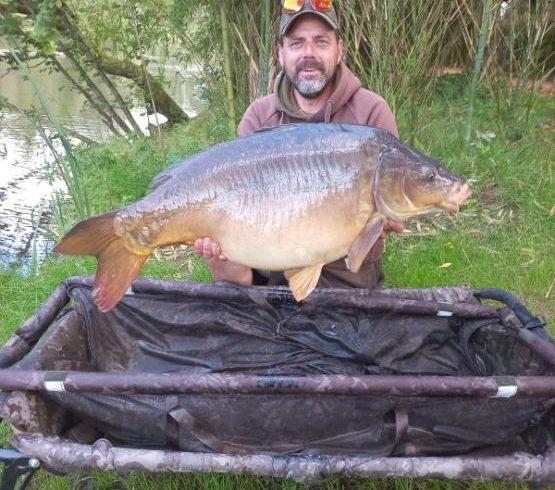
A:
[(291, 198)]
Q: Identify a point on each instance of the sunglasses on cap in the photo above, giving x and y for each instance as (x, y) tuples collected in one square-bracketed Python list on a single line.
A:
[(294, 6)]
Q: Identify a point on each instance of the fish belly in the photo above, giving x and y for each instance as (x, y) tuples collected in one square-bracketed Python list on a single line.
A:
[(286, 250), (279, 240)]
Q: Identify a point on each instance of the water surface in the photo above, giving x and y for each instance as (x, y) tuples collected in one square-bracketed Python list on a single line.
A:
[(27, 182)]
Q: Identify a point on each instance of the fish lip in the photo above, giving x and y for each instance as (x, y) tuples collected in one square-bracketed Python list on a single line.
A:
[(450, 207), (454, 200)]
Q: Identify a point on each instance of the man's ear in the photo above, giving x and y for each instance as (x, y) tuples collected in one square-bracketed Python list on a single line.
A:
[(340, 50), (279, 52)]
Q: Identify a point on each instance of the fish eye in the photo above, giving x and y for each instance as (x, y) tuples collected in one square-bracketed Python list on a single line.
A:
[(429, 173)]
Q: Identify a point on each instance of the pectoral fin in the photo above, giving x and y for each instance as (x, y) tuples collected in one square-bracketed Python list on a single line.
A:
[(363, 243), (303, 281)]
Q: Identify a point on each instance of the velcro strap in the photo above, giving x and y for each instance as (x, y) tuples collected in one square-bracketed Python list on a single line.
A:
[(54, 381), (444, 308), (506, 387)]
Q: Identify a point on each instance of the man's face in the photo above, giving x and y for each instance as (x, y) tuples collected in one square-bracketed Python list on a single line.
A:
[(310, 54)]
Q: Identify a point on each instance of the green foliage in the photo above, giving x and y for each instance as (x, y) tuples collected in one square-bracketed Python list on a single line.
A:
[(36, 24), (21, 296), (120, 171), (252, 37), (44, 33)]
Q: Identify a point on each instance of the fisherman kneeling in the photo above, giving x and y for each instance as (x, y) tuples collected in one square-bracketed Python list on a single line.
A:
[(314, 85)]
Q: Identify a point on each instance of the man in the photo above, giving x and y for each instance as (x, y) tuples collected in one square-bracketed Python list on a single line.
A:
[(313, 86)]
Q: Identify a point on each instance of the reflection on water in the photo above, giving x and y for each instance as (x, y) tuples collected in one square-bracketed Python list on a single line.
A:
[(23, 193), (24, 157)]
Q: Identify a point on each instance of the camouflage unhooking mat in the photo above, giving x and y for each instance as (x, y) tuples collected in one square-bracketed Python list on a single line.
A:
[(194, 329)]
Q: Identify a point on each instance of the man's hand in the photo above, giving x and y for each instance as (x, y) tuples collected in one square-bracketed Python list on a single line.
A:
[(393, 226), (220, 267)]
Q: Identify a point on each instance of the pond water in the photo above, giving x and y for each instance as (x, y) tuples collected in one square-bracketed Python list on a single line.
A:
[(26, 161)]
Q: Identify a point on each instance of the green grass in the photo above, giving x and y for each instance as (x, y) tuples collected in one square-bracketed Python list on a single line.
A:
[(502, 238), (167, 481)]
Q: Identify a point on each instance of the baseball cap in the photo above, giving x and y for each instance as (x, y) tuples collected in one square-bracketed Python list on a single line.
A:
[(323, 9)]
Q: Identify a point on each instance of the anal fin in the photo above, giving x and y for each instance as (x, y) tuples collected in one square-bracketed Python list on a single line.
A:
[(364, 242), (303, 281)]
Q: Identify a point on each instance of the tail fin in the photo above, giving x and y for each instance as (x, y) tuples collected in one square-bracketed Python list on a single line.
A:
[(117, 265), (89, 236)]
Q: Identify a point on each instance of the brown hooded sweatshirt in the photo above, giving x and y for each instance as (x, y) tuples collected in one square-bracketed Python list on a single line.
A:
[(349, 103)]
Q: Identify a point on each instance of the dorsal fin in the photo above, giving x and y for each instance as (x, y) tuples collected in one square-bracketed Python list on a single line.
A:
[(165, 175)]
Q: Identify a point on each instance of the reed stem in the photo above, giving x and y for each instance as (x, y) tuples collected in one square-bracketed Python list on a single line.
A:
[(478, 59), (230, 98)]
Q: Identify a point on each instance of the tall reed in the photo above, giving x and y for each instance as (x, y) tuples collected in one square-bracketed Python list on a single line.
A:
[(478, 59), (265, 26), (253, 47), (396, 48), (522, 57), (226, 44)]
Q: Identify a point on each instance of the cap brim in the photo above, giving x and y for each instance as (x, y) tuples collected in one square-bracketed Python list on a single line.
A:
[(286, 25)]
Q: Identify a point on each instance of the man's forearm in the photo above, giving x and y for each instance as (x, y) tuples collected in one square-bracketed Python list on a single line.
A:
[(221, 268)]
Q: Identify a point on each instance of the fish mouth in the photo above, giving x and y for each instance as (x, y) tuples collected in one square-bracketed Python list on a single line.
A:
[(455, 198)]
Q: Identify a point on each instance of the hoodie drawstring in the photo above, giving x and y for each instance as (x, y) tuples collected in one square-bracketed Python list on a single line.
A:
[(327, 113)]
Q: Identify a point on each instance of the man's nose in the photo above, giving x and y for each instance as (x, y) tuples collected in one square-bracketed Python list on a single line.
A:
[(308, 50)]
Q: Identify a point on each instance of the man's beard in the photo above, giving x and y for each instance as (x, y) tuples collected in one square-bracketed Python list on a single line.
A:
[(313, 87)]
